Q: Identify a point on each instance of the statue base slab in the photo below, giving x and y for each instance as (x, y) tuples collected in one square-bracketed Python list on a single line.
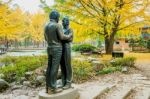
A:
[(71, 93)]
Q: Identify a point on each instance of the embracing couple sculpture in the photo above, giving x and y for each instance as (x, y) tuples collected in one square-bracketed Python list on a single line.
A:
[(59, 53)]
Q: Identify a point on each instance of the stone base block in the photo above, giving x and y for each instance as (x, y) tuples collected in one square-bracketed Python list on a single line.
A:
[(71, 93)]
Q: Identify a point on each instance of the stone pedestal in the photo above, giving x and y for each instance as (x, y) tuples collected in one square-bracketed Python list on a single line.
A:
[(71, 93)]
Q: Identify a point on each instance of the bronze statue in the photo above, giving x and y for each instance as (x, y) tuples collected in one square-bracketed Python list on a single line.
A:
[(66, 68), (54, 35)]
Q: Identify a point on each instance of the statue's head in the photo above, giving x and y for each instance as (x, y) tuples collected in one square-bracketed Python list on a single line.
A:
[(65, 22), (54, 15)]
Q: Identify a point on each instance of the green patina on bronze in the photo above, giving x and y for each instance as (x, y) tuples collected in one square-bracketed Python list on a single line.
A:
[(57, 52)]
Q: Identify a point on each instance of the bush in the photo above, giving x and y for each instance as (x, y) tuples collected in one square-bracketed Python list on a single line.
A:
[(20, 66), (110, 69), (83, 48), (148, 44), (8, 60), (117, 64), (128, 61), (82, 71)]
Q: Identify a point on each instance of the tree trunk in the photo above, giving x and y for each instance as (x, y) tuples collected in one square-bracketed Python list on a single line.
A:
[(25, 43), (38, 44), (109, 45), (16, 44), (6, 42)]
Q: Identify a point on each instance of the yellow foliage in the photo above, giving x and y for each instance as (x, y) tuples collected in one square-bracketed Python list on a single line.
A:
[(17, 26), (106, 17), (37, 27), (10, 21)]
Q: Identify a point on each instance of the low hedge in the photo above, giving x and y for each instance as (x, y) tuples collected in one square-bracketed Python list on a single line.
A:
[(15, 67), (127, 61), (83, 48)]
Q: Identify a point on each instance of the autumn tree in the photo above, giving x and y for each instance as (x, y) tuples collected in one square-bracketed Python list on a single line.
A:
[(11, 23), (106, 17), (36, 27), (18, 27)]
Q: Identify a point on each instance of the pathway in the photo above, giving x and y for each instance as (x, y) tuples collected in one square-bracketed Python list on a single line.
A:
[(111, 86)]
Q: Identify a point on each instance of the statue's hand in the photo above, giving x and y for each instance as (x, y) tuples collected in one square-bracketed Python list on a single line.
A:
[(71, 35)]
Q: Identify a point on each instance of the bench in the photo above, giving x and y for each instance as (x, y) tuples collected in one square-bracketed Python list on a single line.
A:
[(117, 54)]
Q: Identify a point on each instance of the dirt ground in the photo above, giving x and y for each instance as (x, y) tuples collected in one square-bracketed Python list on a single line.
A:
[(142, 62)]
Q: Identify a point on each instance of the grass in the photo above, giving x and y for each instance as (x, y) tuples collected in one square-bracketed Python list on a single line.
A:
[(15, 67), (110, 69), (140, 56), (82, 70)]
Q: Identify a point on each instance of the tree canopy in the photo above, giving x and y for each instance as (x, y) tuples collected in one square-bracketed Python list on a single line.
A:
[(106, 17), (17, 25)]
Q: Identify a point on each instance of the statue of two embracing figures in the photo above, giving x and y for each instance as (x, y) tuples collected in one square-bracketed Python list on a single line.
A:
[(58, 38)]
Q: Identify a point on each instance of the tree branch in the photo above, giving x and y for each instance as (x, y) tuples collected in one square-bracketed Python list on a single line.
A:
[(130, 25), (81, 2)]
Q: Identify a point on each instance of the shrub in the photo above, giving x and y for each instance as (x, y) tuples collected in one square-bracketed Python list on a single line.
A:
[(117, 64), (8, 60), (148, 44), (108, 70), (76, 47), (128, 61), (82, 71), (20, 66), (83, 48)]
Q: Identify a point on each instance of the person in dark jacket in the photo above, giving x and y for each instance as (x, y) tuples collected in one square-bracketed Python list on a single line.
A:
[(54, 35), (66, 67)]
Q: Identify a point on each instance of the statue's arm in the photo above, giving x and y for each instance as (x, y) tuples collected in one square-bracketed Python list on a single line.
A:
[(71, 32), (61, 34), (45, 31)]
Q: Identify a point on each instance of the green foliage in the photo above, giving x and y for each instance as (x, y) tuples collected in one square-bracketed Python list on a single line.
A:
[(148, 44), (83, 47), (76, 48), (61, 1), (82, 71), (117, 64), (131, 42), (127, 61), (17, 66), (108, 70), (8, 60), (137, 43), (20, 66), (141, 42)]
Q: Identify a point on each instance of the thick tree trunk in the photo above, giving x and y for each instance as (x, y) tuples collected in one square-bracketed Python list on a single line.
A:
[(109, 45), (109, 42)]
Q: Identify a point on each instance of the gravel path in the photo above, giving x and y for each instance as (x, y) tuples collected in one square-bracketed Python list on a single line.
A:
[(144, 66), (114, 86)]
